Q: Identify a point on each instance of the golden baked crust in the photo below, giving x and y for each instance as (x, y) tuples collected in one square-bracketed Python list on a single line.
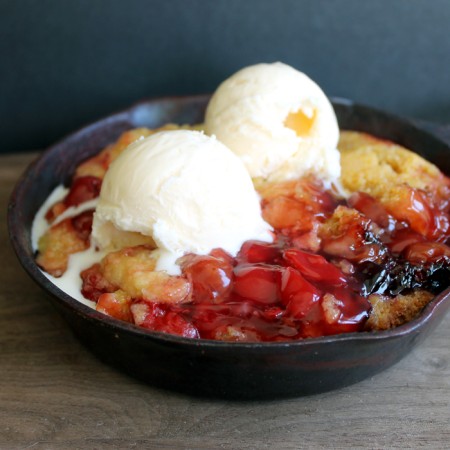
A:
[(132, 270), (56, 245), (374, 166), (391, 312), (395, 176)]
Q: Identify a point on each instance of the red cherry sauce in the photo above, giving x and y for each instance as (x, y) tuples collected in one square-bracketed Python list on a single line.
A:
[(83, 189), (269, 292), (307, 283)]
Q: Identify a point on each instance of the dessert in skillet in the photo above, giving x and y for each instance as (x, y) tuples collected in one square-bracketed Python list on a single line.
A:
[(258, 228)]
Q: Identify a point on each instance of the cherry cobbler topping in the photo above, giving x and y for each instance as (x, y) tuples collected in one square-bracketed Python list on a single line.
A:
[(370, 262)]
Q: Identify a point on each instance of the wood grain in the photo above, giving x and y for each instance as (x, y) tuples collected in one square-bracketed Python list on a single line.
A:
[(55, 394)]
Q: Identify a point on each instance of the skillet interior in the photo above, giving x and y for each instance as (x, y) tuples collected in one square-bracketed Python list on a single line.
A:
[(233, 370)]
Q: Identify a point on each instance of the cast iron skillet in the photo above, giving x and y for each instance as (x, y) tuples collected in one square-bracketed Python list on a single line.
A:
[(203, 367)]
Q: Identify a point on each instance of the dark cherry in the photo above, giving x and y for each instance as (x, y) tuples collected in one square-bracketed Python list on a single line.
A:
[(373, 210), (314, 267), (426, 252), (94, 284), (160, 317), (257, 282), (210, 276), (254, 252), (82, 223), (83, 189), (402, 238), (298, 295)]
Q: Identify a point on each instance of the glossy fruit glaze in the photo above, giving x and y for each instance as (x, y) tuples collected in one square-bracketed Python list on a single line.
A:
[(309, 282)]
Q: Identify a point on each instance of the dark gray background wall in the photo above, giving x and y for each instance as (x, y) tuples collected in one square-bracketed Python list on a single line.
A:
[(64, 63)]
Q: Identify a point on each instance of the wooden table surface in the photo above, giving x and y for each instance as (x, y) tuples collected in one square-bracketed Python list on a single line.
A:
[(55, 394)]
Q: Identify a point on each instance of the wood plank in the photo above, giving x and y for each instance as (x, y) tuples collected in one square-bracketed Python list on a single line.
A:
[(55, 394)]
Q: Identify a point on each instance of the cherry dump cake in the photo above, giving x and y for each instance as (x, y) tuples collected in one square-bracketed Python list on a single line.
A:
[(262, 228), (371, 261)]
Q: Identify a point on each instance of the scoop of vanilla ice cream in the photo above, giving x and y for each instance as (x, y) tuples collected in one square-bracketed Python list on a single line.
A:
[(278, 121), (184, 192)]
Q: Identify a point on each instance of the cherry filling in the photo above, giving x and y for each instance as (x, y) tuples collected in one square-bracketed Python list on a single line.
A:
[(314, 280), (82, 224), (412, 259), (83, 189), (269, 292)]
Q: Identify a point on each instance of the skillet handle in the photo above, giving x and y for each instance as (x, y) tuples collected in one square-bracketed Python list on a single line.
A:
[(441, 131)]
